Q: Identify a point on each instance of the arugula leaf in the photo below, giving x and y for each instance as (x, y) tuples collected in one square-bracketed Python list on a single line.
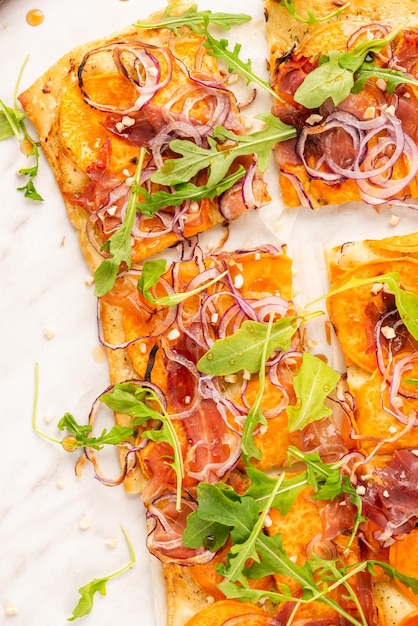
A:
[(262, 486), (98, 585), (219, 158), (79, 436), (312, 385), (242, 515), (243, 350), (255, 415), (82, 438), (408, 581), (311, 19), (219, 49), (12, 124), (185, 191), (119, 244), (134, 401), (195, 20), (335, 74), (390, 76), (406, 301), (151, 272), (199, 532), (150, 275)]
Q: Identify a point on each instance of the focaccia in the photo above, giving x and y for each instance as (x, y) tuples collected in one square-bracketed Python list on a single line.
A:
[(356, 130)]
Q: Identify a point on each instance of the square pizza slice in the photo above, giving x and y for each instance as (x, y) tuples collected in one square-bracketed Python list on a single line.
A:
[(373, 308), (345, 77), (112, 112)]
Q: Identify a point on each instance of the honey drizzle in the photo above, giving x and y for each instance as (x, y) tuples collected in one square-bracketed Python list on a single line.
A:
[(35, 17)]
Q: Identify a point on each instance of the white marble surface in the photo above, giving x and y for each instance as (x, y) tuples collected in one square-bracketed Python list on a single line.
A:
[(45, 553)]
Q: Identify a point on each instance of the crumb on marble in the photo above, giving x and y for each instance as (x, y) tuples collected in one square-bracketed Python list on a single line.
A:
[(49, 332), (394, 220), (48, 417), (84, 523), (11, 609)]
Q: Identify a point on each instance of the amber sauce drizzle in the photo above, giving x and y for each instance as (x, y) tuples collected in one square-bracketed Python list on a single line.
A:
[(34, 17)]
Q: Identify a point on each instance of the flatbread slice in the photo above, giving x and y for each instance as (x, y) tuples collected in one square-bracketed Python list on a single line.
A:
[(379, 349), (347, 148), (107, 102)]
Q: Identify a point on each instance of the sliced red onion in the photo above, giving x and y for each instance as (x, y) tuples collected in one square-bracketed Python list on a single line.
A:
[(399, 367), (373, 188), (130, 459), (247, 188), (145, 62), (302, 195)]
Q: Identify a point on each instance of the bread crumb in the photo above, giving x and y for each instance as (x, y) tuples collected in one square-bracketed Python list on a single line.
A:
[(11, 609), (49, 332), (89, 281), (394, 220), (84, 523), (111, 542), (48, 417)]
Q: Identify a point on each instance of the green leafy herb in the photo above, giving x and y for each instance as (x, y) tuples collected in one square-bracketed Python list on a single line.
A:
[(79, 435), (150, 275), (392, 572), (119, 244), (87, 592), (12, 123), (218, 157), (135, 401), (185, 191), (311, 18), (390, 76), (325, 479), (151, 272), (312, 386), (219, 49), (335, 75), (241, 514), (196, 20), (83, 439), (243, 350), (406, 301), (255, 414)]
